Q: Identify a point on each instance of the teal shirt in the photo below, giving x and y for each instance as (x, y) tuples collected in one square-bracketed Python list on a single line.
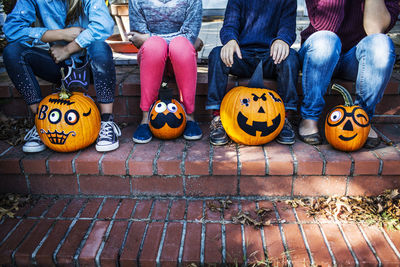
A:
[(166, 18)]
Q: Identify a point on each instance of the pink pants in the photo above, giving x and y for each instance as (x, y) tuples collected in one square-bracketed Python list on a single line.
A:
[(152, 59)]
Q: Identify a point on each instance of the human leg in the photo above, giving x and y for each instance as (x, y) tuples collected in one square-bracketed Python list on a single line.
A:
[(287, 75), (184, 62), (22, 64), (370, 64), (319, 55), (103, 70), (152, 57)]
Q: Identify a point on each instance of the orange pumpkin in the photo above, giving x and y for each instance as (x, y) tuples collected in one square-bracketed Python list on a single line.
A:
[(252, 116), (167, 119), (67, 124), (347, 126)]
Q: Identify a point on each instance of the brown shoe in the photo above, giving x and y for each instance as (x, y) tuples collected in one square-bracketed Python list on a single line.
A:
[(372, 142), (311, 139)]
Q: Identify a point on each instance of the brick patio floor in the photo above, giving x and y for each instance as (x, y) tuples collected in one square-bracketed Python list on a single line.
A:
[(183, 231)]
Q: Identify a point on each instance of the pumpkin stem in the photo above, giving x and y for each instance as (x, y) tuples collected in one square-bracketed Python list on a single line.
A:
[(257, 79), (348, 101), (64, 94)]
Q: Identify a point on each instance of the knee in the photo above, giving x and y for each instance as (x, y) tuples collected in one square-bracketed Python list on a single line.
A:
[(181, 47), (99, 52), (155, 46), (323, 45), (379, 47), (292, 60), (215, 54)]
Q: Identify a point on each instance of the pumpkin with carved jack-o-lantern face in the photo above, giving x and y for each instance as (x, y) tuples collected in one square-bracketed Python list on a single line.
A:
[(347, 126), (167, 119), (67, 124), (252, 116)]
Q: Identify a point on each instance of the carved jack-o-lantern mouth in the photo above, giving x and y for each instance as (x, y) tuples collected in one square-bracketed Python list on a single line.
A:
[(258, 126), (161, 119)]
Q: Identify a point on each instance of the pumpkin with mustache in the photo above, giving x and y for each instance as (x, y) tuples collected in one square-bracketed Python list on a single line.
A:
[(252, 115), (167, 117), (347, 126)]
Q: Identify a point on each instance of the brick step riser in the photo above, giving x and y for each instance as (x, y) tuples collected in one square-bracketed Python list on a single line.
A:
[(127, 100)]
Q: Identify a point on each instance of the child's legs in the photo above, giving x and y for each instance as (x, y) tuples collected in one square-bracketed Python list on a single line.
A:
[(23, 63), (103, 69), (184, 62), (152, 57)]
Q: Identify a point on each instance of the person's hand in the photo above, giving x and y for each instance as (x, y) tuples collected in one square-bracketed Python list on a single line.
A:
[(198, 45), (69, 34), (137, 38), (279, 51), (227, 52), (59, 53)]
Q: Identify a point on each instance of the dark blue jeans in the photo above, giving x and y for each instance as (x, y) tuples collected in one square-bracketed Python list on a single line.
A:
[(23, 63), (286, 74)]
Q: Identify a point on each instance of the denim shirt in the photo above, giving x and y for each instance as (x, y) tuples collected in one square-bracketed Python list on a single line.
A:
[(96, 21)]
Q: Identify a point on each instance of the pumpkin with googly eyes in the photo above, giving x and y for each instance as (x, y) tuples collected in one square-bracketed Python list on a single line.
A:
[(67, 123), (347, 126), (167, 117), (252, 115)]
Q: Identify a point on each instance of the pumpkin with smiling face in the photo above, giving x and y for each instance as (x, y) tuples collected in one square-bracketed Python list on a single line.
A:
[(347, 126), (68, 123), (252, 116)]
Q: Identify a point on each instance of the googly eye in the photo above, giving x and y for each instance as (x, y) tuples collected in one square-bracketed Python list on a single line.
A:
[(172, 107), (160, 107), (245, 101), (336, 116), (71, 117), (55, 116)]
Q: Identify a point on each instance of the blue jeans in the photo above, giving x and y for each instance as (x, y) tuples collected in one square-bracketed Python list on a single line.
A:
[(369, 64), (23, 63), (286, 73)]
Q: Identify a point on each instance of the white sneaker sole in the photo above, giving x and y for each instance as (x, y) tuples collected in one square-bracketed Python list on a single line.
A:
[(33, 149), (107, 148), (141, 141), (192, 138)]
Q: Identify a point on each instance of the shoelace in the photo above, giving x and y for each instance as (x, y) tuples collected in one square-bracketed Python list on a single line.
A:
[(32, 135), (216, 123), (107, 128)]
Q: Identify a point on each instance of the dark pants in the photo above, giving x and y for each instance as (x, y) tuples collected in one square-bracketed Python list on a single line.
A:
[(286, 74), (23, 63)]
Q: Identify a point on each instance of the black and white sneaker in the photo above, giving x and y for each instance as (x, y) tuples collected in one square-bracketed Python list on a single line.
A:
[(33, 143), (108, 136)]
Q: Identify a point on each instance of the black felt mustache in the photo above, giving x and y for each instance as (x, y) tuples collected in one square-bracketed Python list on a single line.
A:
[(161, 119)]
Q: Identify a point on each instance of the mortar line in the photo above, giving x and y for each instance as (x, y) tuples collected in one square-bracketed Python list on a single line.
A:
[(303, 234), (156, 157), (203, 235), (264, 244), (380, 162), (160, 247), (295, 162), (346, 240), (30, 231), (324, 161), (130, 222), (106, 235), (180, 255), (371, 247), (328, 246), (184, 155), (39, 246), (128, 159), (145, 233), (73, 161), (88, 231), (392, 245), (352, 166), (244, 248), (210, 160), (100, 164), (283, 237), (266, 160)]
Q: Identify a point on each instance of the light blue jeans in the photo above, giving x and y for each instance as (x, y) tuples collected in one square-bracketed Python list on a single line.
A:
[(369, 64)]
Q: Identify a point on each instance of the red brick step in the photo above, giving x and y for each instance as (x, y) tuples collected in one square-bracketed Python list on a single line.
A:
[(141, 231)]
